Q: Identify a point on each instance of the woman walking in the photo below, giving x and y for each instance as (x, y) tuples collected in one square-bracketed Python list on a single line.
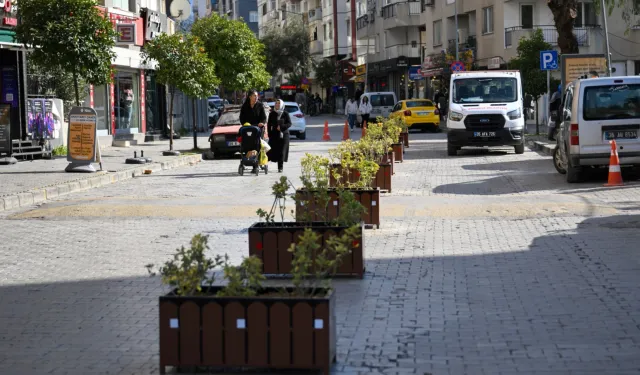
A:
[(365, 110), (252, 111), (278, 126)]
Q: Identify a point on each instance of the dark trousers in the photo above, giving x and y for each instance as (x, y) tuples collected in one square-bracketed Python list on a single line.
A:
[(365, 118)]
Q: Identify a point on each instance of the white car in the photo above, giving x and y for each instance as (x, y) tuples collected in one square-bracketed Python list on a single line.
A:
[(298, 122)]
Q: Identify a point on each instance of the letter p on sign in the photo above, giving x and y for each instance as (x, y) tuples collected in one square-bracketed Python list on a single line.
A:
[(548, 60)]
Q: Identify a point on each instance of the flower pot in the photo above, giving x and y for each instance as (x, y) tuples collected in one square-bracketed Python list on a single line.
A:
[(398, 151), (404, 139), (369, 198), (390, 158), (266, 331), (271, 242), (382, 179)]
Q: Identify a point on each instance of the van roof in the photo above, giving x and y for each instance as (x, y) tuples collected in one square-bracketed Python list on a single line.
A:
[(379, 92), (484, 73)]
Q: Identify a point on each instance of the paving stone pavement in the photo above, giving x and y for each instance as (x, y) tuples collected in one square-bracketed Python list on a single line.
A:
[(487, 263)]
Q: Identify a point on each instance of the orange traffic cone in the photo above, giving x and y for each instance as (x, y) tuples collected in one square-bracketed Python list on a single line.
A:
[(615, 174), (364, 129), (326, 136), (345, 133)]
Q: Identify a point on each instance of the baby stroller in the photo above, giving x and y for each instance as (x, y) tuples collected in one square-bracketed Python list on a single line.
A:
[(250, 147)]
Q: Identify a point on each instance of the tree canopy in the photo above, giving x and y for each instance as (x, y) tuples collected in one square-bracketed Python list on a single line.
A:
[(287, 48), (237, 53), (325, 73), (534, 80), (71, 35)]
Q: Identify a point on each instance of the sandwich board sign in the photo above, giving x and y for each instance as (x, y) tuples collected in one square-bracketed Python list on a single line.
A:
[(83, 131)]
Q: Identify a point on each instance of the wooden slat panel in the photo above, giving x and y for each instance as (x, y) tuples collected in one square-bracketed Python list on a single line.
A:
[(333, 206), (270, 252), (212, 344), (255, 244), (189, 334), (322, 336), (168, 336), (234, 338), (257, 334), (346, 267), (302, 335), (285, 239), (387, 177), (375, 210), (365, 200), (358, 257), (280, 335)]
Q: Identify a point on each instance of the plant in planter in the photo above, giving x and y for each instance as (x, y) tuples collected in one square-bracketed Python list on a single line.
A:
[(393, 128), (356, 170), (376, 149), (329, 212), (244, 324)]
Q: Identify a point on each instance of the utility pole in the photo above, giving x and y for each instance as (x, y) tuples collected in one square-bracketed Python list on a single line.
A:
[(455, 6), (606, 36)]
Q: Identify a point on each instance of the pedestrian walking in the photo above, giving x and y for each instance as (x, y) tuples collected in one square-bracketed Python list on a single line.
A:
[(365, 109), (351, 110), (278, 126)]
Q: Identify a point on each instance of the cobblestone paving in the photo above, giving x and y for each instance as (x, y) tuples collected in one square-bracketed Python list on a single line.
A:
[(488, 263)]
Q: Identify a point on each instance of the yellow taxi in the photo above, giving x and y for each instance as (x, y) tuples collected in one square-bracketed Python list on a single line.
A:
[(418, 113)]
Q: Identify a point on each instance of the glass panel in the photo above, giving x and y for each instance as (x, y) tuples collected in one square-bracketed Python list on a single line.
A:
[(382, 100), (485, 90), (419, 103), (590, 18), (527, 16), (229, 118), (611, 102), (100, 104), (127, 101)]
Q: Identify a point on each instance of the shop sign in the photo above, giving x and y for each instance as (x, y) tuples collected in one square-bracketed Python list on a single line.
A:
[(5, 129), (288, 87), (82, 135), (143, 104), (361, 69), (126, 33), (8, 13), (402, 62), (415, 73), (154, 23), (428, 63), (127, 28)]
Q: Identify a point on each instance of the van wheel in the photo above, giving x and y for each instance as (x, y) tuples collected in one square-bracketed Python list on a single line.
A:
[(574, 174), (558, 163), (519, 148), (452, 150)]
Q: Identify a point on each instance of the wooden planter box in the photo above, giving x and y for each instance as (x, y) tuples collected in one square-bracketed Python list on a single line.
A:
[(390, 158), (369, 198), (381, 181), (271, 243), (398, 151), (404, 139), (262, 332)]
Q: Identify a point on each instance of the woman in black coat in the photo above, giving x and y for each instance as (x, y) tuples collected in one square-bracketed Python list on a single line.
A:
[(278, 126), (252, 111)]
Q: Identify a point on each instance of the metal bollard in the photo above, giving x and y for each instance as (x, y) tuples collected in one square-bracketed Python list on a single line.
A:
[(135, 154)]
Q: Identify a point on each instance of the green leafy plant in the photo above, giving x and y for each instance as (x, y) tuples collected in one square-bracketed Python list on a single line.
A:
[(59, 150), (244, 280), (351, 158), (279, 191)]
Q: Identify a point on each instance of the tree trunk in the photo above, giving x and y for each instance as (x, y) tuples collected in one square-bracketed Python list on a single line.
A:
[(171, 120), (75, 87), (562, 11), (195, 130)]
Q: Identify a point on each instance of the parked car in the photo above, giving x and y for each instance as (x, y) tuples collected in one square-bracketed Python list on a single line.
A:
[(596, 111), (382, 104), (298, 122), (418, 114)]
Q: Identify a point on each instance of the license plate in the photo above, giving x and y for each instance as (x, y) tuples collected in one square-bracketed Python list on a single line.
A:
[(234, 143), (423, 113), (620, 134), (484, 134)]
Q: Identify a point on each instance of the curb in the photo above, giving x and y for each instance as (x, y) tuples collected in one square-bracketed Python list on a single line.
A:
[(544, 148), (35, 196)]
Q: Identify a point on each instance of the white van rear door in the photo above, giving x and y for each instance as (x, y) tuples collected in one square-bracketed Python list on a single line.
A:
[(382, 104)]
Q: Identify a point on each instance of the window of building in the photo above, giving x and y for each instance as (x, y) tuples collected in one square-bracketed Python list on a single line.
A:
[(526, 16), (315, 34), (348, 27), (325, 34), (437, 33), (253, 16), (330, 31), (273, 4), (121, 4), (586, 15), (264, 9), (487, 20)]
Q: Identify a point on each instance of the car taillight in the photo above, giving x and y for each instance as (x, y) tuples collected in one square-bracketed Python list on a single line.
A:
[(239, 139), (299, 115), (575, 137), (436, 112), (407, 113)]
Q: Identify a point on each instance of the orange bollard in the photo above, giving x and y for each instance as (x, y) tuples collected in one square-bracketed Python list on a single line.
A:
[(345, 133), (364, 129), (615, 174), (326, 136)]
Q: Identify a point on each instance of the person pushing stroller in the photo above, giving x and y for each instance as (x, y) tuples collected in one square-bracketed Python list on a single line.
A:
[(253, 113)]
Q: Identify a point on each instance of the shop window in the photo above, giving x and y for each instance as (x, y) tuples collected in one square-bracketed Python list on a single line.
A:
[(101, 106), (127, 102)]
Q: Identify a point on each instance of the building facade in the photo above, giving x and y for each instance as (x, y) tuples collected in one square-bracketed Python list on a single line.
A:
[(240, 9)]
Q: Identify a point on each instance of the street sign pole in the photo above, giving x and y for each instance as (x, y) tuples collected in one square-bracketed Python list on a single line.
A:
[(455, 6), (546, 103), (606, 36)]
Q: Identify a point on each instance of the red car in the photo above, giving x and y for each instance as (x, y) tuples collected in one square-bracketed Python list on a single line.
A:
[(224, 136)]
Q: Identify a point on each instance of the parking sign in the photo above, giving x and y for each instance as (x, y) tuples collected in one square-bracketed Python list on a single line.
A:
[(548, 60)]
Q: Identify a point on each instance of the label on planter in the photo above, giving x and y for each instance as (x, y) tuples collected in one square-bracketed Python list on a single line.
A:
[(318, 324), (335, 203), (241, 324), (374, 203), (173, 323)]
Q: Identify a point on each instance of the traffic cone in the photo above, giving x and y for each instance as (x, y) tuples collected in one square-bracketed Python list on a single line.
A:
[(345, 133), (364, 129), (615, 174), (326, 136)]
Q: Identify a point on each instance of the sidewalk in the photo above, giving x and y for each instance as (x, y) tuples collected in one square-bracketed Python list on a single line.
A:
[(30, 182)]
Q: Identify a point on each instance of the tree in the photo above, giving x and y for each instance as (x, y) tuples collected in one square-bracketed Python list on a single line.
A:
[(181, 62), (325, 73), (71, 35), (52, 82), (237, 53), (534, 80), (565, 11), (287, 48)]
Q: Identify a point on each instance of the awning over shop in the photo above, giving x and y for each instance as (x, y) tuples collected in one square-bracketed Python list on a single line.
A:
[(431, 72)]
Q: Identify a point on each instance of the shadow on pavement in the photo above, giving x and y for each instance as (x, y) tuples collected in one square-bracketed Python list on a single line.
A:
[(566, 303)]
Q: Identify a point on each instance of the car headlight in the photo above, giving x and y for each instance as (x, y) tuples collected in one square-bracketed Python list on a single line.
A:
[(455, 116), (514, 115), (218, 138)]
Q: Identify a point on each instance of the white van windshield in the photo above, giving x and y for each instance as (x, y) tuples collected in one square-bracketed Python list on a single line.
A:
[(611, 102), (485, 90), (382, 100)]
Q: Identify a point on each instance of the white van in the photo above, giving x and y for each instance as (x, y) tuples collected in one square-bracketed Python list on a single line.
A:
[(596, 111), (485, 109), (382, 104)]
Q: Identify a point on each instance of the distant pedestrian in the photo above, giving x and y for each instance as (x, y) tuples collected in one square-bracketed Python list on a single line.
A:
[(278, 126), (351, 110), (365, 109)]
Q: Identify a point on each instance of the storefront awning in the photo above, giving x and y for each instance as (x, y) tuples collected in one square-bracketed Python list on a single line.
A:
[(431, 72)]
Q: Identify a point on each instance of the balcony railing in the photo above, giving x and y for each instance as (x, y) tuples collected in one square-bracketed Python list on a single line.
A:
[(389, 11), (469, 43), (363, 21), (315, 14), (414, 7), (393, 10), (549, 33), (403, 50), (315, 47)]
